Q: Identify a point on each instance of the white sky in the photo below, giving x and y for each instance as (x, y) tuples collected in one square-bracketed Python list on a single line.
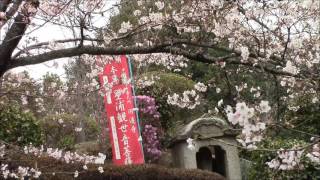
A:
[(54, 32), (48, 33)]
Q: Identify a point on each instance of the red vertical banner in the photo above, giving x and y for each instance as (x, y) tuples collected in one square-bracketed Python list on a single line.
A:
[(120, 110)]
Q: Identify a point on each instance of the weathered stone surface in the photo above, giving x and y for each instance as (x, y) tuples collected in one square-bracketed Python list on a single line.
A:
[(214, 134)]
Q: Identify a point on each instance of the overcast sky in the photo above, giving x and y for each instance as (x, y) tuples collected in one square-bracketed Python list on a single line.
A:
[(53, 32)]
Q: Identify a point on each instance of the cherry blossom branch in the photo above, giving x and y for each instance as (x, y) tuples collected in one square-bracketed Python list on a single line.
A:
[(39, 45), (242, 11), (162, 48), (91, 50)]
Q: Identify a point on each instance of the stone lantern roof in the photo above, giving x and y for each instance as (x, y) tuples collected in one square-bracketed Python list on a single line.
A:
[(204, 128)]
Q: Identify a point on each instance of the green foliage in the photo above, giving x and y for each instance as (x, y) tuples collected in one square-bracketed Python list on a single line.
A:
[(51, 78), (19, 127), (289, 134), (125, 14), (67, 142), (306, 119), (59, 130), (167, 84), (170, 82), (259, 169)]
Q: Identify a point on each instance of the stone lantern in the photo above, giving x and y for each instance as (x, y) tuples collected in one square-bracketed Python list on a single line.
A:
[(215, 148)]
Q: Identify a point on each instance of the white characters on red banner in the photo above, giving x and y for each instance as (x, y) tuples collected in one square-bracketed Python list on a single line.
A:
[(121, 113)]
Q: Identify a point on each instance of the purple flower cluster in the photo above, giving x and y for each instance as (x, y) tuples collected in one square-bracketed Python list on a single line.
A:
[(151, 142), (151, 131), (147, 106)]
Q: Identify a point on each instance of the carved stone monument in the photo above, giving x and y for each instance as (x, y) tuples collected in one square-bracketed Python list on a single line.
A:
[(214, 148)]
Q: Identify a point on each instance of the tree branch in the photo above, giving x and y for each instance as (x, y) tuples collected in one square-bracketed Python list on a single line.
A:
[(39, 45), (76, 51), (11, 41), (15, 33), (162, 48), (13, 9), (286, 46), (4, 4)]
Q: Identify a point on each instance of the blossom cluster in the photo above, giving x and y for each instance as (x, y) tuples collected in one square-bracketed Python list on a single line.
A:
[(19, 173), (151, 141), (146, 81), (125, 27), (244, 54), (288, 81), (200, 87), (67, 157), (290, 68), (52, 8), (171, 62), (314, 155), (189, 99), (191, 144), (16, 79), (147, 105), (151, 131), (251, 128), (243, 24), (16, 82), (287, 160), (55, 10)]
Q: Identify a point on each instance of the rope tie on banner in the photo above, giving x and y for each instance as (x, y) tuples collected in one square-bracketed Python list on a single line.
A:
[(135, 102)]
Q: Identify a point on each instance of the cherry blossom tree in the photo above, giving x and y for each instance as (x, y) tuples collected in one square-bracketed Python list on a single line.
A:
[(278, 39), (262, 35)]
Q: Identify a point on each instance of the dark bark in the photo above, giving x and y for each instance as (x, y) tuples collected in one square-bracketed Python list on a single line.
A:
[(13, 9), (162, 48), (11, 41), (4, 4), (15, 32)]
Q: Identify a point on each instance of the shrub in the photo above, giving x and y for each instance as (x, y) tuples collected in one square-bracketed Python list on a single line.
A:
[(19, 127), (167, 84), (59, 130), (63, 171), (150, 127)]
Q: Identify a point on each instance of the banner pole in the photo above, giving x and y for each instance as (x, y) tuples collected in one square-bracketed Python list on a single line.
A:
[(135, 103)]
